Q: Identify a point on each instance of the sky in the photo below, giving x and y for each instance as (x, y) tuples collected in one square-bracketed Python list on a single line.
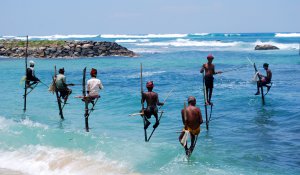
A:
[(50, 17)]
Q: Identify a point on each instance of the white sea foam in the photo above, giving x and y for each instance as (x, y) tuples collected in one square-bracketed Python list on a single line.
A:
[(145, 74), (145, 36), (5, 123), (36, 160), (27, 122), (200, 34), (131, 40), (287, 35), (50, 37), (189, 43), (232, 34)]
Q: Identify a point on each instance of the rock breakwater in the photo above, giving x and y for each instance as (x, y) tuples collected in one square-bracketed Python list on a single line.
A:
[(62, 49)]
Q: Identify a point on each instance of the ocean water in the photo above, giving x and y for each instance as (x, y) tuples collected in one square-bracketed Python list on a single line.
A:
[(245, 137)]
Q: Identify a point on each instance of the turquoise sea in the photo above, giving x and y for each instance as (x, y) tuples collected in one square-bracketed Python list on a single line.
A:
[(245, 137)]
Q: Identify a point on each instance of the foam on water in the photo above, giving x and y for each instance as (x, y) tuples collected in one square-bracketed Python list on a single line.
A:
[(50, 37), (131, 40), (145, 36), (36, 160), (287, 35)]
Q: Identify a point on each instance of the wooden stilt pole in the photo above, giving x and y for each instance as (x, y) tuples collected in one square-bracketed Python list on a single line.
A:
[(25, 86)]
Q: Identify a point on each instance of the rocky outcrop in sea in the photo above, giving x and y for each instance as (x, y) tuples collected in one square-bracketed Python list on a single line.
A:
[(65, 49), (266, 47)]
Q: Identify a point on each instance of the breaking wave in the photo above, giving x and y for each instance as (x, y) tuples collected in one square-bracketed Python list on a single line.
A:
[(36, 160)]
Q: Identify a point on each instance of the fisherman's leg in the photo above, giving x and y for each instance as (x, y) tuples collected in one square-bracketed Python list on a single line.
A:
[(68, 92), (180, 138), (146, 116), (157, 122), (207, 99), (210, 94), (190, 150), (258, 85)]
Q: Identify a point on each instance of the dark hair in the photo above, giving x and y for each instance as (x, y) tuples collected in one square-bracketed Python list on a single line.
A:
[(266, 65), (61, 70)]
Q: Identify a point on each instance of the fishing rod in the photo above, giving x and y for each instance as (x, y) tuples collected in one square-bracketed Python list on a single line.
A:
[(234, 69), (44, 84), (167, 97), (142, 103)]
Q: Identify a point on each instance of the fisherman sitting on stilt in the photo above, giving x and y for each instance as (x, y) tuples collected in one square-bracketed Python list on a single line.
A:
[(93, 87), (31, 79), (265, 80), (62, 85), (152, 103), (192, 119)]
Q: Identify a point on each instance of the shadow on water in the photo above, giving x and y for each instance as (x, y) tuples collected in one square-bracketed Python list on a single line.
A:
[(264, 117)]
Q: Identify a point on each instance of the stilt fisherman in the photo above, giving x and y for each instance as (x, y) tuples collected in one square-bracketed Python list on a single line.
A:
[(152, 102)]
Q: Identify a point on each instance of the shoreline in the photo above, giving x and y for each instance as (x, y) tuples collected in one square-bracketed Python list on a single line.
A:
[(62, 49)]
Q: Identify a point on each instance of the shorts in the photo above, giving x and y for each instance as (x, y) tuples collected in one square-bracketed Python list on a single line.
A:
[(209, 81), (65, 92), (150, 110), (193, 131)]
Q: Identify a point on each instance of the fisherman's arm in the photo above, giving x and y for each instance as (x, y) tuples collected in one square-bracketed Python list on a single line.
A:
[(216, 72), (183, 119), (202, 68), (159, 103), (101, 85), (200, 116), (143, 97)]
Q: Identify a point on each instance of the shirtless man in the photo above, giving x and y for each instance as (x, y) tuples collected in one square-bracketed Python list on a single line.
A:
[(152, 102), (209, 69), (30, 75), (265, 80), (191, 119)]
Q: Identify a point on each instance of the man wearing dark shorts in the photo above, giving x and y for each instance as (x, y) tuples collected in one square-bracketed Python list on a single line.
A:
[(209, 69), (152, 102)]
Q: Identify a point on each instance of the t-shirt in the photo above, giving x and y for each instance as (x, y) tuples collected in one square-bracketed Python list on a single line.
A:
[(30, 74), (60, 81), (93, 86)]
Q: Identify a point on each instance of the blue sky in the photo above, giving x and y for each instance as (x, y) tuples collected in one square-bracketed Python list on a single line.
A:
[(49, 17)]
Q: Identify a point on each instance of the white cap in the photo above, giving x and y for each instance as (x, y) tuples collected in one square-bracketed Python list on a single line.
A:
[(31, 62)]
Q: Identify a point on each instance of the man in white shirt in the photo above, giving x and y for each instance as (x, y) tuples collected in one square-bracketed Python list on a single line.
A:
[(93, 86), (62, 85)]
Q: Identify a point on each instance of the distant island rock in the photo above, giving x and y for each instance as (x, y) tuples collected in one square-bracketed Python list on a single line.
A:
[(62, 49), (266, 47)]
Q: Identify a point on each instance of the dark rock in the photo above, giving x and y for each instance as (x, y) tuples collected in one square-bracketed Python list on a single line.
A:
[(69, 49), (266, 47)]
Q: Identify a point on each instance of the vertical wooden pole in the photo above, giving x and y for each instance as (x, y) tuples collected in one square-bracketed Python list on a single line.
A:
[(86, 103), (25, 86), (143, 114), (205, 99)]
